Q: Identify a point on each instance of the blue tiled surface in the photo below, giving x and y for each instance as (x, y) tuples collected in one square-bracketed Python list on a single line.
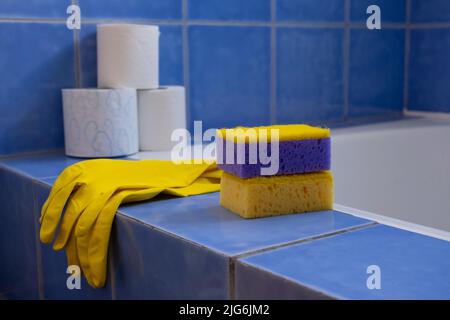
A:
[(391, 10), (248, 10), (412, 266), (309, 75), (376, 71), (34, 8), (202, 220), (40, 166), (18, 267), (310, 10), (54, 264), (430, 11), (149, 264), (181, 248), (429, 70), (170, 51), (229, 81), (37, 63), (131, 9)]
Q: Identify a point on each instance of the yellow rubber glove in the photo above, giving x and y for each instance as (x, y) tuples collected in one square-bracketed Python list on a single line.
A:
[(96, 188)]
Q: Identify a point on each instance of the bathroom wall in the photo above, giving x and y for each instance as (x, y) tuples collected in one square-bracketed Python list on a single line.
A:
[(429, 55), (248, 62)]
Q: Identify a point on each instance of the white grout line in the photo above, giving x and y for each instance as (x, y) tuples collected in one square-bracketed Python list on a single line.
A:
[(443, 25), (229, 23), (273, 63), (186, 75), (32, 20), (77, 61), (400, 224), (346, 59), (406, 56), (139, 21), (282, 24)]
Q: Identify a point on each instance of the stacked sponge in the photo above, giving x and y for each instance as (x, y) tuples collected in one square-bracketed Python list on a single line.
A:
[(302, 183)]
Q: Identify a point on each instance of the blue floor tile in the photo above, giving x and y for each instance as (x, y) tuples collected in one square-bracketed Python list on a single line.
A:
[(412, 266), (202, 220)]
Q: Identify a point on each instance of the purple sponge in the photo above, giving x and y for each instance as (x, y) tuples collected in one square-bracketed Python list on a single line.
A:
[(295, 156)]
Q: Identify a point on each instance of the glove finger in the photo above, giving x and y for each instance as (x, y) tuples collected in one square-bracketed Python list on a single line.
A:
[(99, 241), (83, 231), (71, 252), (90, 214), (66, 177), (49, 221), (78, 202)]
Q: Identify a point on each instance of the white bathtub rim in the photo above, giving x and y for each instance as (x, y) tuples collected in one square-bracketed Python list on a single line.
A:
[(396, 223)]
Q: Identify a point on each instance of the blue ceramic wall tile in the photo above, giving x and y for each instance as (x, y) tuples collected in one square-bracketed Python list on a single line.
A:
[(54, 264), (201, 219), (429, 73), (34, 8), (376, 71), (412, 266), (151, 264), (170, 55), (253, 10), (39, 166), (131, 9), (88, 55), (430, 11), (229, 75), (18, 267), (309, 74), (310, 10), (38, 62), (391, 10)]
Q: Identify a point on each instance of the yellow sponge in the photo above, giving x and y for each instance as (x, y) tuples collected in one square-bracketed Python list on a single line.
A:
[(277, 195), (286, 132)]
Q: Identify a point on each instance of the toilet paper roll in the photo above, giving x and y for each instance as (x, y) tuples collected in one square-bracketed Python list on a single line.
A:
[(160, 111), (128, 56), (100, 122)]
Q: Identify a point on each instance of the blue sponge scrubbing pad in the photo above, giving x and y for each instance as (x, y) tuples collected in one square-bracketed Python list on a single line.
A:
[(302, 149)]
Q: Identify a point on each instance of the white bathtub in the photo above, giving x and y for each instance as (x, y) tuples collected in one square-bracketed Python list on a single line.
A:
[(396, 173)]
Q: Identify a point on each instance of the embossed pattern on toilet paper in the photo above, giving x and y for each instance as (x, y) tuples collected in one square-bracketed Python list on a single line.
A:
[(99, 122)]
